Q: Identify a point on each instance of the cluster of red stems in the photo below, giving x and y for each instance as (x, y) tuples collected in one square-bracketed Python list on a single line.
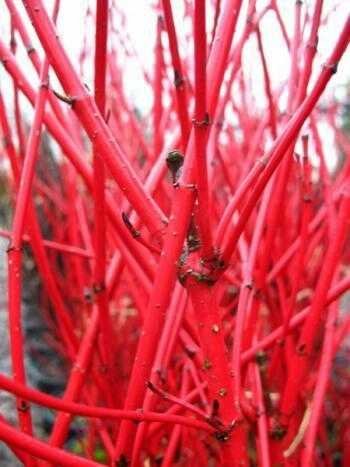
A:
[(196, 256)]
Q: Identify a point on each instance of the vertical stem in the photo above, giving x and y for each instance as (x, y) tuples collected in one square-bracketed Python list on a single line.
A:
[(217, 371), (99, 272), (158, 91), (322, 381), (201, 122), (179, 78), (15, 251), (76, 380)]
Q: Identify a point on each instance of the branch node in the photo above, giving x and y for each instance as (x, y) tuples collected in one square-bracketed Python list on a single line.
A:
[(202, 123), (13, 248), (30, 49), (99, 287), (178, 79), (135, 233), (333, 67), (66, 99)]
